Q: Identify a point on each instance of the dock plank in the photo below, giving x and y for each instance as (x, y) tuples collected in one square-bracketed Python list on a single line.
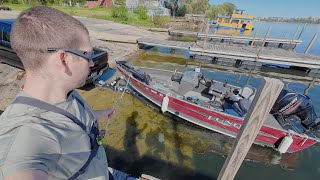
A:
[(238, 38), (240, 52)]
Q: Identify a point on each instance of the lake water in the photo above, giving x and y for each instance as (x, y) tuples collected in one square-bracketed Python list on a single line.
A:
[(141, 140), (288, 30)]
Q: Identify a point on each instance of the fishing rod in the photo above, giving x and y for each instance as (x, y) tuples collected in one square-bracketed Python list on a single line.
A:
[(103, 131)]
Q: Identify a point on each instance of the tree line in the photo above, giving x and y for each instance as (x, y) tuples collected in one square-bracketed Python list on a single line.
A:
[(308, 20), (182, 7), (177, 7), (43, 2)]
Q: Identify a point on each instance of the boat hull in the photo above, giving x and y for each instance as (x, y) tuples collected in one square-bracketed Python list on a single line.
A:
[(214, 120)]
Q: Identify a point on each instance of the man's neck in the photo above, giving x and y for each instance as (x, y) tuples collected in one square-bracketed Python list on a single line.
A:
[(44, 89)]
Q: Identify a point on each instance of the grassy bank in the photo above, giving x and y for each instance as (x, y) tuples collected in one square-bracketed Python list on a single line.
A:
[(102, 13)]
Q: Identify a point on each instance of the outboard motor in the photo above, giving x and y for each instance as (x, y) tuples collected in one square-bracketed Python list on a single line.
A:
[(296, 109)]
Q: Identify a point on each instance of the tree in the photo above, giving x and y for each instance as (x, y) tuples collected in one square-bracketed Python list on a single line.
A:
[(181, 11), (196, 6), (172, 5), (215, 11), (229, 7), (200, 6), (141, 12)]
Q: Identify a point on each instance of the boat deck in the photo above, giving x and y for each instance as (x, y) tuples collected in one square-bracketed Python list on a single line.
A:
[(164, 77)]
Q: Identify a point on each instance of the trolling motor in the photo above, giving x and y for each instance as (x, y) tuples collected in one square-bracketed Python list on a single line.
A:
[(295, 111)]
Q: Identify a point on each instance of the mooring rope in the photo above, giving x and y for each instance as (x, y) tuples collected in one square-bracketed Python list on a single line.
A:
[(103, 131)]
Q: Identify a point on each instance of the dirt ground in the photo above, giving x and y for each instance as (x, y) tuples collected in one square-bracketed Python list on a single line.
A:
[(118, 39)]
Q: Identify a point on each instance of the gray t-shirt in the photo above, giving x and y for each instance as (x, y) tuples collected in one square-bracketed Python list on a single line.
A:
[(36, 139)]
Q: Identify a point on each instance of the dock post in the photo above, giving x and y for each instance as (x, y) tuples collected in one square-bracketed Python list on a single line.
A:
[(295, 34), (255, 35), (304, 26), (265, 37), (205, 38), (258, 112), (264, 41), (306, 91), (286, 35), (311, 43)]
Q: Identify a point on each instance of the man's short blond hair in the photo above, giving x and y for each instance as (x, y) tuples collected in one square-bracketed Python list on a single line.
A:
[(39, 28)]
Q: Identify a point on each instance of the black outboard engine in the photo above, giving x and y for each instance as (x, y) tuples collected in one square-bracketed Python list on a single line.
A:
[(294, 109)]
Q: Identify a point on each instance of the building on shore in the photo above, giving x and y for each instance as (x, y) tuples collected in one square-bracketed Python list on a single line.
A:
[(154, 7)]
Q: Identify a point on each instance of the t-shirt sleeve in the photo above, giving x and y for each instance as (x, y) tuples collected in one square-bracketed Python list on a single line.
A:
[(35, 147)]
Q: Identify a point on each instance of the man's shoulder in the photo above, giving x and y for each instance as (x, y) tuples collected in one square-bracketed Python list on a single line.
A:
[(29, 146), (17, 114), (16, 109)]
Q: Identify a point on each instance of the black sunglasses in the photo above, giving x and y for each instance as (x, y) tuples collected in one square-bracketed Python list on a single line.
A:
[(87, 55)]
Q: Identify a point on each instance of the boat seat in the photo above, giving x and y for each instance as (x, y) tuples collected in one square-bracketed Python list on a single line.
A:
[(176, 77), (241, 101), (188, 82), (217, 89), (247, 92), (242, 106)]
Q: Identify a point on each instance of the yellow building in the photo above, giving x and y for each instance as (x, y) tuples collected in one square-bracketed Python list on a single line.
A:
[(238, 20)]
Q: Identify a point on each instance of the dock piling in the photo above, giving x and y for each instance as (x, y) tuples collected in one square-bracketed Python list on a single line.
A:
[(258, 112), (205, 38), (306, 91), (286, 35), (263, 44), (295, 34), (304, 26), (255, 35), (265, 37), (311, 43)]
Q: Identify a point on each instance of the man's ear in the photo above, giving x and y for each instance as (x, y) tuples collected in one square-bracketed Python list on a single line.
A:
[(62, 57), (63, 61)]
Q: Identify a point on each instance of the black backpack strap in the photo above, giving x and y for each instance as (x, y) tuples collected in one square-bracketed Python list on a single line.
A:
[(93, 153), (49, 107)]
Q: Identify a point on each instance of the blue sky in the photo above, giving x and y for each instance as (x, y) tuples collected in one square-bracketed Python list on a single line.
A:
[(278, 8)]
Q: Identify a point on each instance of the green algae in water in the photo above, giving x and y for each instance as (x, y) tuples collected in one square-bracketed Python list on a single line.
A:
[(137, 126), (155, 56)]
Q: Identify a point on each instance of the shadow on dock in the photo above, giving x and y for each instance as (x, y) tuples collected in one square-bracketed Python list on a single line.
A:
[(88, 87), (132, 163), (1, 112)]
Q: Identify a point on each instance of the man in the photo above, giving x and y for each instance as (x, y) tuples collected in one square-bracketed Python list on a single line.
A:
[(49, 132)]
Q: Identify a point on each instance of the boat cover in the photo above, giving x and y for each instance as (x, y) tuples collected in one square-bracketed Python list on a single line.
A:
[(188, 82)]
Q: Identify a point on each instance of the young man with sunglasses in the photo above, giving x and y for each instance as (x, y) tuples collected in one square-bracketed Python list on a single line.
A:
[(49, 132)]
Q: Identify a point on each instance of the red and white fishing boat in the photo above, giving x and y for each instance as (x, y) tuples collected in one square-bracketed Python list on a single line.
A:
[(220, 107)]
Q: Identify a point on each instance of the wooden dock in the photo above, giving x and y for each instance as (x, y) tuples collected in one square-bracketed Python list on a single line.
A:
[(221, 37), (242, 53)]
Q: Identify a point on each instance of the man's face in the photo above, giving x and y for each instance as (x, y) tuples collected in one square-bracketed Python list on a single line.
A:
[(79, 66)]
